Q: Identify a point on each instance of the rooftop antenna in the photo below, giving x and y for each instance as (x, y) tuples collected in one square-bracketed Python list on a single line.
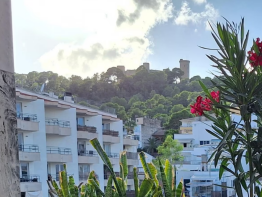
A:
[(43, 86)]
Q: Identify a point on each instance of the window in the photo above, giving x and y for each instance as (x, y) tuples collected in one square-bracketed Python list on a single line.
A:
[(185, 145), (106, 126), (107, 148), (18, 109), (81, 147), (80, 121), (20, 139), (204, 142), (136, 137), (24, 170), (83, 171), (58, 168)]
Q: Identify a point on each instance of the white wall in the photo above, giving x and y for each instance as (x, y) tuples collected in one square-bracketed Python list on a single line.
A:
[(37, 138)]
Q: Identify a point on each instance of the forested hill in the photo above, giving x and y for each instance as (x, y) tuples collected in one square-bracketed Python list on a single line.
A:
[(158, 94)]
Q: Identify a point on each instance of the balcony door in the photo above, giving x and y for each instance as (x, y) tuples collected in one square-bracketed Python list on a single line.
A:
[(58, 168), (24, 170), (80, 121), (19, 109), (107, 148), (83, 171), (81, 147), (106, 126)]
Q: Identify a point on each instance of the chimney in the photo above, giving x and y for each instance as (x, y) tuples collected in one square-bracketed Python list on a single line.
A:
[(68, 97), (52, 95)]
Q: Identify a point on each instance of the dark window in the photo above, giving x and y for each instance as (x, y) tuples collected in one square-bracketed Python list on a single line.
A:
[(185, 145), (201, 142)]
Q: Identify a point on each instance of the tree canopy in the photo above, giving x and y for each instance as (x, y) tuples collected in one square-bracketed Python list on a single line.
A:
[(157, 94)]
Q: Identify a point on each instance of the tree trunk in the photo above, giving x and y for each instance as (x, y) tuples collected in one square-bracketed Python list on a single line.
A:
[(9, 161)]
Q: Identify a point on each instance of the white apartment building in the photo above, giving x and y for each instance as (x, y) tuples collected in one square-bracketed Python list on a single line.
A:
[(200, 176), (52, 132)]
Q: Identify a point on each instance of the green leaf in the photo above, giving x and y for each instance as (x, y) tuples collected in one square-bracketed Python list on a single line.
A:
[(153, 171), (109, 191), (168, 173), (123, 160), (145, 166), (166, 187), (64, 183), (179, 189), (95, 143), (97, 188), (136, 182), (145, 187)]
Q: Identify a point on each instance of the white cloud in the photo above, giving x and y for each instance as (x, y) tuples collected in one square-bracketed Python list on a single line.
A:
[(195, 30), (186, 16), (200, 1), (116, 32)]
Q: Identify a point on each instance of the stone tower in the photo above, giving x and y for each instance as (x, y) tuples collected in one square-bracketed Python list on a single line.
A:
[(184, 66)]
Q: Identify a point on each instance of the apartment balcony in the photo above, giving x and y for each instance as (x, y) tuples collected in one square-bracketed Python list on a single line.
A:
[(57, 127), (28, 152), (27, 122), (58, 154), (30, 183), (132, 158), (114, 158), (185, 130), (88, 156), (130, 178), (111, 136), (83, 178), (56, 177), (86, 132), (131, 140)]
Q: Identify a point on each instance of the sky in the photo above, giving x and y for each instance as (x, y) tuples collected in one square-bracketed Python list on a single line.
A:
[(83, 37)]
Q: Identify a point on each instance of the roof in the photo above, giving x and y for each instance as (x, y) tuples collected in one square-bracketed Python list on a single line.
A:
[(27, 95), (160, 132)]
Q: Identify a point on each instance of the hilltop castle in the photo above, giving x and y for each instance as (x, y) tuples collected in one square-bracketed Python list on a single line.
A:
[(184, 66)]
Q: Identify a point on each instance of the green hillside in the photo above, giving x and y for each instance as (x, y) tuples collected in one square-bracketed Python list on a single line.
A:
[(160, 94)]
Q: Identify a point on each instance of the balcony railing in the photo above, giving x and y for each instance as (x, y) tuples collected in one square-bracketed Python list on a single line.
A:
[(28, 148), (86, 128), (133, 137), (89, 153), (56, 122), (85, 177), (110, 132), (131, 155), (113, 155), (27, 117), (56, 176), (107, 175), (58, 150), (30, 178)]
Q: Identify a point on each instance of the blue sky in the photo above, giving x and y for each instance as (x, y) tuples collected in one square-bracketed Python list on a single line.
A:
[(83, 37)]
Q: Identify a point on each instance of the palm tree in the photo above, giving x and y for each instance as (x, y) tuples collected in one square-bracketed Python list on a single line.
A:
[(9, 165), (129, 126), (152, 144)]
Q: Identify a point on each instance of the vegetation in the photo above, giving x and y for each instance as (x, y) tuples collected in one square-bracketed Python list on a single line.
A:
[(170, 150), (162, 95), (151, 186), (239, 91)]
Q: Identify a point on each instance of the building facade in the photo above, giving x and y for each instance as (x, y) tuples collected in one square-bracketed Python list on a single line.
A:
[(52, 132), (145, 129), (200, 176)]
